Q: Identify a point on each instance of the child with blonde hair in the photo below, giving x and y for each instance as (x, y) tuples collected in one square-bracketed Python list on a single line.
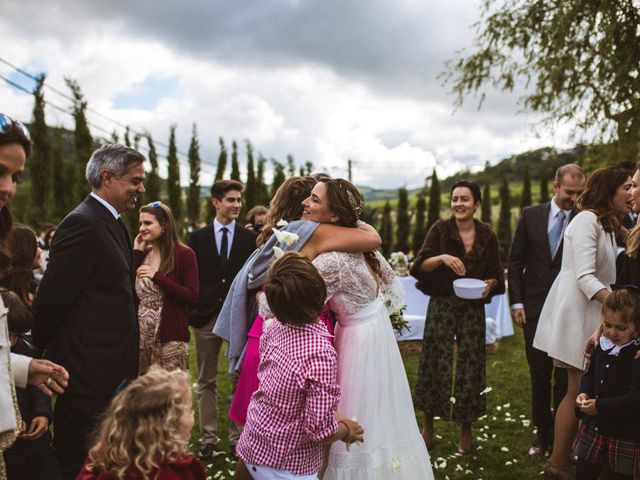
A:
[(610, 394), (145, 432)]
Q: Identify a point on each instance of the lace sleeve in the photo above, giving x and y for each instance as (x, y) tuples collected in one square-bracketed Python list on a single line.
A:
[(390, 286), (330, 268), (263, 306)]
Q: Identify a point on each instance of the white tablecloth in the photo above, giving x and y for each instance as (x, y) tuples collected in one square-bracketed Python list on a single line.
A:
[(497, 313)]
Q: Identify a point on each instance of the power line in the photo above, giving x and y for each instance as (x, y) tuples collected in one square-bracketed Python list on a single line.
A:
[(19, 87)]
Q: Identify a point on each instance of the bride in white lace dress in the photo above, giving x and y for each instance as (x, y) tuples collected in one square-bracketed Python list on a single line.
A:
[(362, 289)]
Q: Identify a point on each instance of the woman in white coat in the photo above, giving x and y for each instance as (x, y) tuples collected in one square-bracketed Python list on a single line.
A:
[(572, 309)]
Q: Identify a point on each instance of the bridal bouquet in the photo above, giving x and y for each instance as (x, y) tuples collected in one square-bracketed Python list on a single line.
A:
[(398, 321)]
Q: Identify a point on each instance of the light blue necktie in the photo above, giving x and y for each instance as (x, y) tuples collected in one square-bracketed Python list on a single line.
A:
[(556, 232)]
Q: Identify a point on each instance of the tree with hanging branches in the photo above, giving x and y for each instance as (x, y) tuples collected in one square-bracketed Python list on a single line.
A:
[(579, 61)]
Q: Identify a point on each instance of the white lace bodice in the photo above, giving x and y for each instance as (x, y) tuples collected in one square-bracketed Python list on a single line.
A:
[(351, 285)]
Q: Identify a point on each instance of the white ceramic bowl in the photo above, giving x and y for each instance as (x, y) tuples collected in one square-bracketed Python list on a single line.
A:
[(469, 288)]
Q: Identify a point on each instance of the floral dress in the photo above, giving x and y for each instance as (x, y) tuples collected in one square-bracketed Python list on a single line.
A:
[(170, 355)]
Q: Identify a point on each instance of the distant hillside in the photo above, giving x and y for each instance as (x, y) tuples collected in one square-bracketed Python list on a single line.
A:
[(541, 161)]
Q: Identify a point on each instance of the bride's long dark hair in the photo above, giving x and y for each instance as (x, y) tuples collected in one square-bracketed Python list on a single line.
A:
[(345, 202)]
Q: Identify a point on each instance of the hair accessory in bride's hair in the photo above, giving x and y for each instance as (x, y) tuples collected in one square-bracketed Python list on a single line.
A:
[(355, 205)]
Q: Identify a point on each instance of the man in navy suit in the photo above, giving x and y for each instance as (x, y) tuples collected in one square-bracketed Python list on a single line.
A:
[(535, 259), (221, 248), (85, 314)]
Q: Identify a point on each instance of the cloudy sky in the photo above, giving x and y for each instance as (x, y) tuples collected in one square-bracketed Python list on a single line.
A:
[(322, 80)]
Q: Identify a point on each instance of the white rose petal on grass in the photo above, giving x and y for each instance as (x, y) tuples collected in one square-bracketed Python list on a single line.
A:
[(395, 464), (504, 449), (508, 463), (288, 238), (278, 252), (506, 405), (282, 223), (452, 400)]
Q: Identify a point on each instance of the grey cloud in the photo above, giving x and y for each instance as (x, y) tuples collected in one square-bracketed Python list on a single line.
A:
[(398, 47)]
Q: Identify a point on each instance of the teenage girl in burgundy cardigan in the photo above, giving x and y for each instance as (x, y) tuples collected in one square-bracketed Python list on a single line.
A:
[(166, 286)]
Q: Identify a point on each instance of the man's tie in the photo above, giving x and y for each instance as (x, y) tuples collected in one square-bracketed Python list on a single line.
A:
[(556, 232), (126, 239), (224, 247)]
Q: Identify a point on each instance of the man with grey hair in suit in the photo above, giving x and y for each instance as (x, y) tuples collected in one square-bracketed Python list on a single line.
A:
[(85, 311), (534, 262)]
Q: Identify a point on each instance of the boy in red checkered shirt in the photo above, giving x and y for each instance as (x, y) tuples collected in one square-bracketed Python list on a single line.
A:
[(293, 412)]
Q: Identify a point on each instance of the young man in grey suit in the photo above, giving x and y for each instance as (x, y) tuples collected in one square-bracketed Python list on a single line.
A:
[(534, 262), (85, 313), (221, 248)]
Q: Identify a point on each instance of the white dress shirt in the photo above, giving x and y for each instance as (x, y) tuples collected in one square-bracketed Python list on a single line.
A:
[(217, 229)]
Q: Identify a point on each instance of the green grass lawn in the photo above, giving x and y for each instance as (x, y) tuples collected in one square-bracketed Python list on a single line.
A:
[(501, 438)]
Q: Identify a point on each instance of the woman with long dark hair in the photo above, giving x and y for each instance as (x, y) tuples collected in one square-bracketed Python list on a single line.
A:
[(460, 246), (166, 285), (362, 291), (573, 306), (25, 257)]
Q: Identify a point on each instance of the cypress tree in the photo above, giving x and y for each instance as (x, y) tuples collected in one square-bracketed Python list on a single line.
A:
[(250, 190), (349, 170), (193, 196), (485, 207), (152, 182), (386, 230), (235, 166), (127, 137), (82, 140), (261, 186), (434, 201), (309, 167), (291, 165), (544, 184), (40, 160), (136, 141), (61, 201), (420, 231), (402, 222), (173, 177), (525, 199), (504, 221), (222, 161), (278, 176), (114, 137)]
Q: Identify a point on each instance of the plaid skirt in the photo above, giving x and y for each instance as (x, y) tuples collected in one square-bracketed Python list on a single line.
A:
[(622, 456)]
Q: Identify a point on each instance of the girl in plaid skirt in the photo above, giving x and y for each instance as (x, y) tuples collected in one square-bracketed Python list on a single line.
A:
[(609, 396)]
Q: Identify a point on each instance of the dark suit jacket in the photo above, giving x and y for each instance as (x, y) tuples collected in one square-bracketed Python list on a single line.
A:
[(531, 270), (84, 312), (214, 280)]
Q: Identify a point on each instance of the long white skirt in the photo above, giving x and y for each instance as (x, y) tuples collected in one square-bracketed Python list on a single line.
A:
[(376, 392)]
